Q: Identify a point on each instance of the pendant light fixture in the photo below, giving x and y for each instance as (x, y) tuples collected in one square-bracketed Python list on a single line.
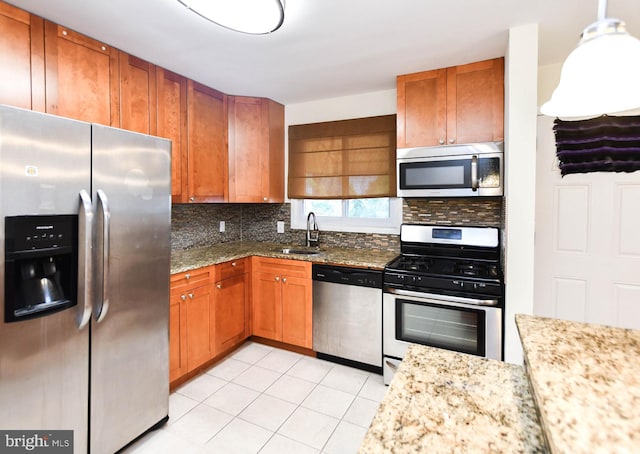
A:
[(256, 17), (602, 74)]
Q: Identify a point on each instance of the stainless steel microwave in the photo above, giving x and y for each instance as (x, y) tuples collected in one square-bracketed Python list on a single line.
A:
[(451, 171)]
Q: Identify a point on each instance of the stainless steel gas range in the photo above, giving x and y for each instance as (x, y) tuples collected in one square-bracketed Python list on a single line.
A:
[(445, 290)]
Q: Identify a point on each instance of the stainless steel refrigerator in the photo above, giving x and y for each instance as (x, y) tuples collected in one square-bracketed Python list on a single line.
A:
[(84, 279)]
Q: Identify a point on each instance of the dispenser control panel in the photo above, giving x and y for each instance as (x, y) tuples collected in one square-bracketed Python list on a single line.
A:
[(29, 233)]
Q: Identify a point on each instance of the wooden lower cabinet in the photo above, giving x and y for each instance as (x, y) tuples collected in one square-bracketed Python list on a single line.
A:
[(177, 337), (282, 301), (189, 321), (230, 313)]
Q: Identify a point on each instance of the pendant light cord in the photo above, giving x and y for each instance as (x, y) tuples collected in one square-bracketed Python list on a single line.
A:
[(602, 9)]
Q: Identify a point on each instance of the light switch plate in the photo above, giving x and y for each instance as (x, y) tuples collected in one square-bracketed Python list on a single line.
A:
[(280, 226), (223, 226)]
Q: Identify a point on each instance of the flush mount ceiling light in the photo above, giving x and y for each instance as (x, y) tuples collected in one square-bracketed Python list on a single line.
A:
[(602, 74), (256, 17)]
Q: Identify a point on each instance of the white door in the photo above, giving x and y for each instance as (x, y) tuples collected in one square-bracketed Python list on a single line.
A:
[(587, 243)]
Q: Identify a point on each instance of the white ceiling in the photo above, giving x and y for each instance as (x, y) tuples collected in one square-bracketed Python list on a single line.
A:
[(328, 48)]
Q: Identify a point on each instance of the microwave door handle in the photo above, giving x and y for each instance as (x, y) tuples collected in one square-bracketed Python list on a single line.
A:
[(474, 173)]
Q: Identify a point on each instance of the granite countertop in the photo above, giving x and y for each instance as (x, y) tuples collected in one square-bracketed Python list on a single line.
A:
[(190, 259), (586, 381), (442, 401)]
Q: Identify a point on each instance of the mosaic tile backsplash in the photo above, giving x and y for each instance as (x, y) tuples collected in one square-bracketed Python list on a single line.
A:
[(197, 225)]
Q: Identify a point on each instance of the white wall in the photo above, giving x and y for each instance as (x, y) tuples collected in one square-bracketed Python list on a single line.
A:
[(521, 64), (548, 79)]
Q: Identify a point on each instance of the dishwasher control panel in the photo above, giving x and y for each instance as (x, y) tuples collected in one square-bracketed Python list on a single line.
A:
[(347, 275)]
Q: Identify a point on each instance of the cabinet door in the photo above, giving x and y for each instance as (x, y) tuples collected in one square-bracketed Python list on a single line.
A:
[(207, 150), (297, 309), (137, 95), (21, 58), (248, 149), (256, 150), (81, 77), (230, 312), (267, 307), (422, 104), (475, 102), (177, 337), (198, 304), (172, 124)]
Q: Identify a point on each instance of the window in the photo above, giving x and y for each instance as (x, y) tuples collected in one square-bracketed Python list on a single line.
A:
[(376, 215)]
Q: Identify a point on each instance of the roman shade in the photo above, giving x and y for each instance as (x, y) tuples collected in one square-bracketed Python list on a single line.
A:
[(343, 159)]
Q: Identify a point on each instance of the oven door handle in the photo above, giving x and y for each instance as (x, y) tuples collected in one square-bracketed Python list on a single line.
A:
[(444, 298)]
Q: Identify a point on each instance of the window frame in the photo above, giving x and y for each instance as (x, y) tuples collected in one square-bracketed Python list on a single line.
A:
[(390, 225)]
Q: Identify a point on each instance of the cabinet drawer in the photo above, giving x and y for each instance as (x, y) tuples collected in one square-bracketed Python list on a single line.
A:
[(297, 268), (191, 279), (231, 268)]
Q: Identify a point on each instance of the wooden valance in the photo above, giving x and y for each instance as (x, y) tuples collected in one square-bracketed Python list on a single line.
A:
[(343, 159)]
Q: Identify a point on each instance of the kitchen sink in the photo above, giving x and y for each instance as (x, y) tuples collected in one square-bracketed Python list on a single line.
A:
[(294, 251)]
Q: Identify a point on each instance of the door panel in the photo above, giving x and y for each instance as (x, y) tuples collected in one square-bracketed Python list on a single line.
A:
[(297, 324), (267, 309), (44, 373), (230, 313), (129, 348), (587, 252)]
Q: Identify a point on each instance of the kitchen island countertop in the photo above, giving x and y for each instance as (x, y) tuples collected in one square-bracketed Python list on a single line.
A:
[(442, 401), (586, 381), (190, 259)]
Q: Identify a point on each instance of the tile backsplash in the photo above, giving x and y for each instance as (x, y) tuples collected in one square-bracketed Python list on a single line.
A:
[(197, 225)]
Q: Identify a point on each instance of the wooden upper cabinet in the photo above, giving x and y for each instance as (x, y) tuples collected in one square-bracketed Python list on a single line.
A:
[(81, 77), (207, 144), (256, 150), (462, 104), (172, 124), (137, 95), (475, 102), (21, 58), (422, 108)]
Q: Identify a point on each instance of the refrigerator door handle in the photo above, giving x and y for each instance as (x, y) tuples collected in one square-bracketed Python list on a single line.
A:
[(85, 272), (101, 312)]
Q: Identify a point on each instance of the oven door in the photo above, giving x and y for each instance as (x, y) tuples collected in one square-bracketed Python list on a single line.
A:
[(453, 176), (420, 318)]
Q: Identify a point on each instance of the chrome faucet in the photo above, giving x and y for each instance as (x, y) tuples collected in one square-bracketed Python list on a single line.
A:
[(313, 233)]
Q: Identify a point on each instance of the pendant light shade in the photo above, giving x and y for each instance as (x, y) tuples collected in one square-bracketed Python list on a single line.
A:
[(601, 76), (256, 17)]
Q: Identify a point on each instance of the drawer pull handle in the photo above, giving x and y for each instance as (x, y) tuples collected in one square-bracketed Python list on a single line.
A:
[(183, 297), (277, 278), (233, 264), (219, 286), (187, 276), (191, 295), (284, 280)]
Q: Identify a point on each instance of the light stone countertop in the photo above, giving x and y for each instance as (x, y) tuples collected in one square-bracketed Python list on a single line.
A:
[(586, 381), (446, 402), (190, 259)]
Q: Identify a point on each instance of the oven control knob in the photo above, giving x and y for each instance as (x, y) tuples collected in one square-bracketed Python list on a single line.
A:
[(459, 283)]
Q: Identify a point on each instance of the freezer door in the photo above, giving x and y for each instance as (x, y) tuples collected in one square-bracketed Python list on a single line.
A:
[(44, 164), (129, 333)]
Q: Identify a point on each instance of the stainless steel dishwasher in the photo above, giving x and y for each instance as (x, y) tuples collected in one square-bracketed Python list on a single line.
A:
[(347, 316)]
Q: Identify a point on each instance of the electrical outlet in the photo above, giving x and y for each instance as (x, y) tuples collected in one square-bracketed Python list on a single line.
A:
[(223, 226), (280, 226)]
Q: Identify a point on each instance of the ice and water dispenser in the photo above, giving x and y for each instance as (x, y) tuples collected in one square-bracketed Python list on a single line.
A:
[(40, 265)]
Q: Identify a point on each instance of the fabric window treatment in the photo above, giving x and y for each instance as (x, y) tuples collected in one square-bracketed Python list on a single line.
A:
[(603, 144), (345, 159)]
